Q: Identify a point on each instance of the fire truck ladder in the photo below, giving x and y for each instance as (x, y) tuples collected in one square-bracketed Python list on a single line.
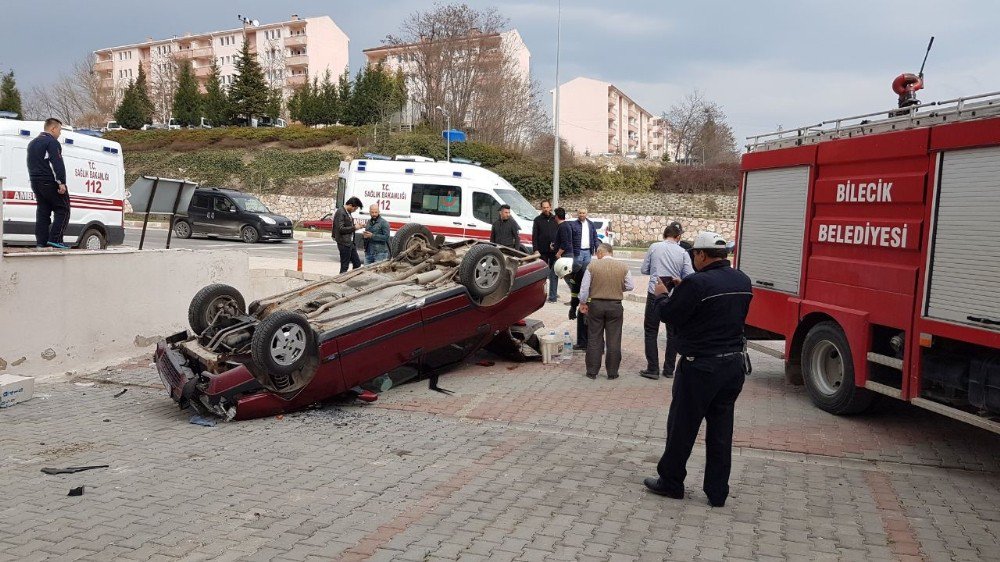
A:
[(955, 110)]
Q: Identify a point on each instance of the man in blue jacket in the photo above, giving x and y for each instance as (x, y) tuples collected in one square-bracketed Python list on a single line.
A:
[(376, 236), (47, 174)]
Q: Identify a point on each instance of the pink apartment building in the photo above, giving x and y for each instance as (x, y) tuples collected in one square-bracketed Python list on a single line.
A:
[(596, 117), (291, 52)]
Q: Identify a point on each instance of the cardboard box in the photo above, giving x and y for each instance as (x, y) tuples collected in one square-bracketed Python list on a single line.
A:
[(15, 389)]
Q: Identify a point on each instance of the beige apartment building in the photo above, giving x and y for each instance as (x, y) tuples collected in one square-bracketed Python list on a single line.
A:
[(596, 117), (290, 52), (507, 44)]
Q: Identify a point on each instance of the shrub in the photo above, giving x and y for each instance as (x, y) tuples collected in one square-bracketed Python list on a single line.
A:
[(677, 178)]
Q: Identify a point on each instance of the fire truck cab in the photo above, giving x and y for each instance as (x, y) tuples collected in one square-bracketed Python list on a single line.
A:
[(873, 243)]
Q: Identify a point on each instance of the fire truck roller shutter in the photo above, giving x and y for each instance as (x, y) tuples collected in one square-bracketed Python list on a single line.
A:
[(773, 227), (965, 267)]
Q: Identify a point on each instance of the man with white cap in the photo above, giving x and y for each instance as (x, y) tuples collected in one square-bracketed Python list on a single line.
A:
[(707, 311)]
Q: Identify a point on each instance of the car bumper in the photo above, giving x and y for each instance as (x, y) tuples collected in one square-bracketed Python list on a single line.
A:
[(277, 232)]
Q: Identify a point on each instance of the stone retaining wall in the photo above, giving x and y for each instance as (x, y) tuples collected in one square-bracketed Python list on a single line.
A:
[(682, 205)]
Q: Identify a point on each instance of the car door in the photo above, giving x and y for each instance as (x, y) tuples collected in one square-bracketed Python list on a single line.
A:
[(198, 213), (485, 211), (226, 216)]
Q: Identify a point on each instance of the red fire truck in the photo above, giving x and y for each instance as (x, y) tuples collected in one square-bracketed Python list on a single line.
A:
[(873, 243)]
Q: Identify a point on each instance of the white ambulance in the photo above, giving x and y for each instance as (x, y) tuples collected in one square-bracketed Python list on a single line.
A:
[(456, 200), (95, 176)]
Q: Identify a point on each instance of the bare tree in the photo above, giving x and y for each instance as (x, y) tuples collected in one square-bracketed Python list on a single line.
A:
[(698, 131), (458, 58), (163, 74), (79, 97)]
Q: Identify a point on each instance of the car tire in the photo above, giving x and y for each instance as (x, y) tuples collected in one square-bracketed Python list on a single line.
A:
[(211, 301), (482, 270), (182, 229), (250, 234), (412, 233), (281, 346), (828, 371), (92, 239)]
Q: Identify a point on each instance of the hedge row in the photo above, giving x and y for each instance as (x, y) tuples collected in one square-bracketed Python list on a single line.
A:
[(186, 140)]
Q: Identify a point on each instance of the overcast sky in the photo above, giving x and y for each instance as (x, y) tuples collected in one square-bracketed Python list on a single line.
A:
[(766, 62)]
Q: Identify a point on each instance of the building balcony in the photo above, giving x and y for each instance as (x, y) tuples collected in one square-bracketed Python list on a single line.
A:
[(297, 60), (202, 71), (295, 41), (104, 65), (296, 79)]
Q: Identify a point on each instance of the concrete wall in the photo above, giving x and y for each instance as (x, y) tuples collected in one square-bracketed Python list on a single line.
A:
[(73, 311)]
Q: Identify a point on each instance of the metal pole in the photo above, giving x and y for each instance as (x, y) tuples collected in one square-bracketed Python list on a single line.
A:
[(173, 214), (555, 160), (149, 205)]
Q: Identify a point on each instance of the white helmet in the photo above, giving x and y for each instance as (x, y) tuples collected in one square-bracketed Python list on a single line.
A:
[(709, 240), (563, 267)]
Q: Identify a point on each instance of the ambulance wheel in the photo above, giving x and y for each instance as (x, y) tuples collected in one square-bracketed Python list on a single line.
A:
[(249, 234), (92, 239), (213, 302), (182, 229), (828, 371), (411, 237), (281, 345), (483, 270)]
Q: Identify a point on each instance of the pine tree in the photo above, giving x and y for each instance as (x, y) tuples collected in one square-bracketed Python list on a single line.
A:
[(187, 98), (130, 112), (216, 103), (249, 95), (344, 92), (329, 101), (10, 97), (142, 97)]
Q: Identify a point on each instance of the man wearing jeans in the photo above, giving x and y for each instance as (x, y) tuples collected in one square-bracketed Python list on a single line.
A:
[(343, 234), (664, 259), (543, 239), (47, 174), (376, 237)]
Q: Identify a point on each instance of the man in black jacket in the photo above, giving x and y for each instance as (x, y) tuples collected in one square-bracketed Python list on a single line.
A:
[(47, 174), (543, 239), (343, 234), (506, 231), (707, 311)]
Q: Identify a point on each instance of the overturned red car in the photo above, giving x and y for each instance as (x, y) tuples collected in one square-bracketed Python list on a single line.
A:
[(429, 307)]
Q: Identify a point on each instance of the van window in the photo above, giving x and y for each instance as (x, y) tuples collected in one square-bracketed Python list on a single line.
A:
[(200, 201), (341, 192), (223, 204), (434, 199), (485, 207)]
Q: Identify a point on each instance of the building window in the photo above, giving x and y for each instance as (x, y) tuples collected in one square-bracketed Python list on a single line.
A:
[(436, 199)]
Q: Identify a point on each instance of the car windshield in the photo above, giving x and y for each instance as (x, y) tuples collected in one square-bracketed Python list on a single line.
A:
[(251, 205), (518, 204)]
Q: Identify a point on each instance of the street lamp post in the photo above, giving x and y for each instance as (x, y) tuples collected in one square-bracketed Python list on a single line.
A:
[(555, 158), (447, 132)]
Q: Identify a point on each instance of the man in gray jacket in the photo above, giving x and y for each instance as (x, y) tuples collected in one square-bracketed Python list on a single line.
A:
[(376, 237), (343, 234)]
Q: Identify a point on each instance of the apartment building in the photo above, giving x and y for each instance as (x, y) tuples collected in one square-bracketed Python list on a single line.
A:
[(507, 44), (596, 117), (291, 52)]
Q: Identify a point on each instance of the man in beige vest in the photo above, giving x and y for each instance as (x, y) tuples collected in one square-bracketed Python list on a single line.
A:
[(601, 292)]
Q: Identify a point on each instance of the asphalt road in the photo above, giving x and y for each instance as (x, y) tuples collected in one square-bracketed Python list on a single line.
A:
[(315, 249)]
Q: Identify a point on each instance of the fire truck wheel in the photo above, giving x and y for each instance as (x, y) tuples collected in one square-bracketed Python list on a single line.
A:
[(828, 371)]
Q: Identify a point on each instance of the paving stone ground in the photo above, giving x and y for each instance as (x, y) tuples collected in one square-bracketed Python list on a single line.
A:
[(524, 462)]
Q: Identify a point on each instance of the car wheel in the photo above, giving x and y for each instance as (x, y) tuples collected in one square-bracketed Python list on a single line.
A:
[(828, 371), (409, 237), (213, 302), (482, 270), (250, 234), (182, 229), (92, 239), (281, 345)]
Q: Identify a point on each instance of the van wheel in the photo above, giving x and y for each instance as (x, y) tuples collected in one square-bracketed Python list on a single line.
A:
[(249, 234), (828, 371), (182, 229), (213, 302), (92, 239), (482, 270), (411, 237), (281, 346)]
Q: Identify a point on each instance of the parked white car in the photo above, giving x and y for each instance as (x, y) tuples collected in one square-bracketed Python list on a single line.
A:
[(604, 232)]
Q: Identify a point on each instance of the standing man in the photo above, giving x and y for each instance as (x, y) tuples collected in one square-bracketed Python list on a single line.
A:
[(684, 243), (664, 259), (707, 311), (585, 243), (543, 238), (343, 234), (376, 236), (506, 231), (47, 174), (604, 285)]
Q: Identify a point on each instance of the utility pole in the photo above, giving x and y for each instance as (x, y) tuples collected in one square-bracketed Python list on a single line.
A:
[(555, 159)]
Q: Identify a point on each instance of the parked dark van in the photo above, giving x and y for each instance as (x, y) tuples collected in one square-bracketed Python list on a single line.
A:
[(226, 212)]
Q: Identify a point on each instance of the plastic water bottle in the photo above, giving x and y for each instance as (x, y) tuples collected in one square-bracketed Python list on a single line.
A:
[(567, 349), (557, 358)]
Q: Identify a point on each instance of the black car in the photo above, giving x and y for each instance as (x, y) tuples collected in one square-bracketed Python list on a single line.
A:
[(226, 212)]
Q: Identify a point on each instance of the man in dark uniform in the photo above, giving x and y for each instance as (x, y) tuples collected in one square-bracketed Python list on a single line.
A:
[(343, 234), (683, 243), (47, 174), (707, 310), (543, 239)]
